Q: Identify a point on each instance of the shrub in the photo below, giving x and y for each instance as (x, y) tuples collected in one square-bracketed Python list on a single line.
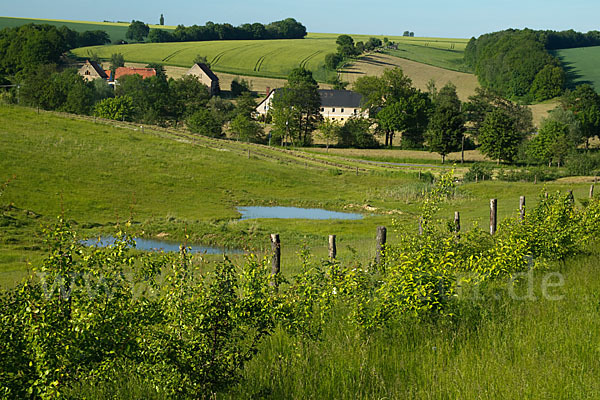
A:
[(479, 172), (587, 163)]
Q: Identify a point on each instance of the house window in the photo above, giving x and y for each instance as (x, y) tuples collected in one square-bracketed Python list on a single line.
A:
[(87, 72), (342, 110), (355, 110), (333, 118), (322, 109), (341, 119), (333, 110)]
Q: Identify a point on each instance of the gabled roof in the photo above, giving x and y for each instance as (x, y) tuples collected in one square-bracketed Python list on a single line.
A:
[(97, 68), (340, 98), (205, 68), (143, 72)]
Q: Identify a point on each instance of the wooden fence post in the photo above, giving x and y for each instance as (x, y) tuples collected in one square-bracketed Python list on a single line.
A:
[(522, 208), (332, 247), (420, 226), (356, 171), (456, 221), (276, 260), (248, 153), (592, 191), (571, 197), (381, 239), (493, 215)]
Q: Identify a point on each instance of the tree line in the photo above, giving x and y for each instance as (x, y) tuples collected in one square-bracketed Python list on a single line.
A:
[(25, 47), (288, 28)]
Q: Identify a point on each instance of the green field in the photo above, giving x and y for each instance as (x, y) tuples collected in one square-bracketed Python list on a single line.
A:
[(498, 345), (275, 58), (116, 31), (581, 65)]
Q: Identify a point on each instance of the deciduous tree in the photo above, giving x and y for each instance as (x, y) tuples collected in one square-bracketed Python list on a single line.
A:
[(447, 124)]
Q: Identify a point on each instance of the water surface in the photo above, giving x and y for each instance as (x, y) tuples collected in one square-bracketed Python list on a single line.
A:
[(160, 245)]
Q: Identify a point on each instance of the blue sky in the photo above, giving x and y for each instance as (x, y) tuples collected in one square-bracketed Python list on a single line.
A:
[(458, 18)]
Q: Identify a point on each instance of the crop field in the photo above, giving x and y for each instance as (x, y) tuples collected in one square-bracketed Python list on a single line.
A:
[(581, 65), (115, 30), (269, 58)]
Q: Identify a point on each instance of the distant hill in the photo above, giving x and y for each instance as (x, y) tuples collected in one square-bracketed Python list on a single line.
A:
[(581, 65), (115, 30)]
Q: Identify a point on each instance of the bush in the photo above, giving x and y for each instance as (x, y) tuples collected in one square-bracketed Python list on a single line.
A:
[(205, 123), (587, 163), (479, 172), (539, 174)]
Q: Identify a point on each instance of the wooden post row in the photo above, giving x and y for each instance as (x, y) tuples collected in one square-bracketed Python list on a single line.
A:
[(592, 191), (381, 239), (276, 260), (493, 215), (456, 221), (332, 247)]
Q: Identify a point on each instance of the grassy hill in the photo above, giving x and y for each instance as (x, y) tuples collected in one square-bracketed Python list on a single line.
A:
[(274, 58), (115, 30), (176, 184), (581, 65)]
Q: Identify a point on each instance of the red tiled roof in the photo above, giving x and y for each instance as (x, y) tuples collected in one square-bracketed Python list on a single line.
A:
[(143, 72)]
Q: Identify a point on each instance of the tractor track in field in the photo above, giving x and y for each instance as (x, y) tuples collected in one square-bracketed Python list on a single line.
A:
[(261, 60), (170, 56), (307, 59), (220, 55)]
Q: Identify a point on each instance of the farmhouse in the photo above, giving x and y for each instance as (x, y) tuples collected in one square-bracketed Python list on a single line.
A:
[(337, 105), (206, 76), (91, 70)]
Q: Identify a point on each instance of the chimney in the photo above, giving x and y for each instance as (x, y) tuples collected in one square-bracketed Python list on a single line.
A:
[(268, 91)]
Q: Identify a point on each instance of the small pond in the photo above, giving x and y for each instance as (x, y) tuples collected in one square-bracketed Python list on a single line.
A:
[(294, 212), (160, 245)]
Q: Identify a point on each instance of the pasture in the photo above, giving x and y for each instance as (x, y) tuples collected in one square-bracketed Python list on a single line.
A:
[(115, 30), (174, 184), (581, 65)]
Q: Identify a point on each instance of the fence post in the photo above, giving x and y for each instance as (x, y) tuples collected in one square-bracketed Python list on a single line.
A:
[(592, 191), (420, 226), (276, 260), (332, 247), (456, 221), (522, 208), (381, 239), (571, 197), (248, 153), (356, 171), (493, 215)]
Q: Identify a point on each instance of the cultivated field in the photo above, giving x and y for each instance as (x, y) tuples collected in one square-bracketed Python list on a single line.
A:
[(268, 58), (115, 30), (420, 74), (581, 65)]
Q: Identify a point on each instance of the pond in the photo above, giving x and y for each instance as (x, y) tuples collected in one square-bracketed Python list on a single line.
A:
[(160, 245), (294, 212)]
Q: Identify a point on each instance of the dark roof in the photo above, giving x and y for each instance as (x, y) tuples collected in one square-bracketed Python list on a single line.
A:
[(208, 72), (340, 98), (98, 69)]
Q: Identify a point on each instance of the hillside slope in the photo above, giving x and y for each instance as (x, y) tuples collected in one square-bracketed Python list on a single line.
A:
[(581, 65)]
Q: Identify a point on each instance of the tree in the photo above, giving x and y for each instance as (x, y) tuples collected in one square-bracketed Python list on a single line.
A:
[(447, 124), (396, 105), (160, 36), (205, 123), (345, 46), (499, 137), (548, 83), (239, 86), (119, 108), (188, 96), (328, 130), (137, 31), (406, 33), (245, 105), (332, 61), (116, 60), (584, 102), (244, 128), (373, 43), (298, 99), (162, 20), (200, 59), (356, 133), (551, 143)]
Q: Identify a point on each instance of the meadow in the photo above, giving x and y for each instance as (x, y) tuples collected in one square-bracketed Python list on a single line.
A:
[(581, 65), (116, 30), (99, 174), (500, 343)]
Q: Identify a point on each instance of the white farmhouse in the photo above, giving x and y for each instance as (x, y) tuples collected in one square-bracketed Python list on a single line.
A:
[(337, 105)]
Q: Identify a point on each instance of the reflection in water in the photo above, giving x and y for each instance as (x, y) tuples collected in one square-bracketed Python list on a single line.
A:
[(159, 245), (294, 212)]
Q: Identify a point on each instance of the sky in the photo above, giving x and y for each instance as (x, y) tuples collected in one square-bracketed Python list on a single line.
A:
[(426, 18)]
